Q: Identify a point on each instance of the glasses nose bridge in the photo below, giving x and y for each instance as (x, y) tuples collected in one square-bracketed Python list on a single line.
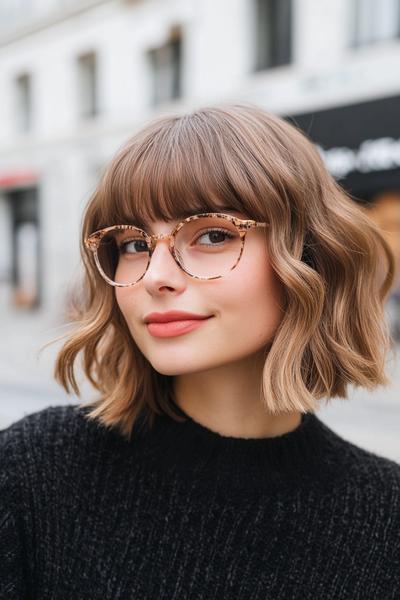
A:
[(158, 237)]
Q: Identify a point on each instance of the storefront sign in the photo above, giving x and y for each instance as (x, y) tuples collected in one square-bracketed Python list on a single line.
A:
[(360, 144)]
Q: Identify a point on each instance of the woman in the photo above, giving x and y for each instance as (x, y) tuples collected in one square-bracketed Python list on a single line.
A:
[(231, 286)]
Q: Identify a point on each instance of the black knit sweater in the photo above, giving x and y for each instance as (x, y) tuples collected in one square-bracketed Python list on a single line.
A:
[(181, 512)]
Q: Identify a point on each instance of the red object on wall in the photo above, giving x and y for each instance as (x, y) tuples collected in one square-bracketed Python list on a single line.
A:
[(12, 179)]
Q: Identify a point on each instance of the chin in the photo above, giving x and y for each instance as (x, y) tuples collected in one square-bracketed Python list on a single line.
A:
[(168, 372), (172, 370), (177, 366)]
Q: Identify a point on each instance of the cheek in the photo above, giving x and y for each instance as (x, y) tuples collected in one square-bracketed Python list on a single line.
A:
[(266, 310), (121, 298), (251, 302), (132, 309), (127, 301)]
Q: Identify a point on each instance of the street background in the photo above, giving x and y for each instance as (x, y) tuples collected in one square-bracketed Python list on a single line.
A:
[(78, 77)]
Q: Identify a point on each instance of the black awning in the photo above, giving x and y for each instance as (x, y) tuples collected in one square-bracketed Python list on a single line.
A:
[(360, 144)]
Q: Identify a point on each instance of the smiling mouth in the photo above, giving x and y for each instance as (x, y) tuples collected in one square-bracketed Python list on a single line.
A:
[(175, 328)]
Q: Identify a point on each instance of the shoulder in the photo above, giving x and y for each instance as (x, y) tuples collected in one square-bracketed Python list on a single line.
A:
[(43, 420), (356, 494), (42, 429), (44, 440), (370, 470), (376, 480), (362, 469), (358, 511), (373, 499), (362, 483), (368, 485), (49, 455)]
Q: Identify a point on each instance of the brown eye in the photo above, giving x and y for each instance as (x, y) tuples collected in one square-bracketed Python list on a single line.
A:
[(132, 246), (214, 237)]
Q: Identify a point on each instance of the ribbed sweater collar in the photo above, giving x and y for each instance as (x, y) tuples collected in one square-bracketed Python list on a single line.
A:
[(191, 447)]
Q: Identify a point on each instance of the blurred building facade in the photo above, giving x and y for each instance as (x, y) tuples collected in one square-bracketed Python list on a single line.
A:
[(78, 77)]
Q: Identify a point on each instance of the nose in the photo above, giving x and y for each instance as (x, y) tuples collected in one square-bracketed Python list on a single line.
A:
[(163, 273)]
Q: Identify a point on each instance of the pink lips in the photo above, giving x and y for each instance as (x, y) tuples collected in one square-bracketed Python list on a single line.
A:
[(173, 323), (173, 328)]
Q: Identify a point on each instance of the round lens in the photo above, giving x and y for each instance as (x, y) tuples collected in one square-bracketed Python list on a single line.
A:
[(208, 246), (123, 255)]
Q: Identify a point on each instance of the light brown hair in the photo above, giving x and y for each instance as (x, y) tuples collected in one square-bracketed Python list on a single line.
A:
[(335, 266)]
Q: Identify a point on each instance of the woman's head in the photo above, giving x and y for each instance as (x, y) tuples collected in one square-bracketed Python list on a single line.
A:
[(243, 307), (307, 293)]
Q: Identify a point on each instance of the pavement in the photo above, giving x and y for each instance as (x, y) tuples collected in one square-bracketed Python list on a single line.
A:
[(369, 419)]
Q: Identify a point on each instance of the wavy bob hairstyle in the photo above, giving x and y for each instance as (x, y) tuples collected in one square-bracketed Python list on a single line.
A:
[(335, 266)]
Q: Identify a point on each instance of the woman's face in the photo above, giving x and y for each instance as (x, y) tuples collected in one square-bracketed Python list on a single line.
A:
[(245, 308)]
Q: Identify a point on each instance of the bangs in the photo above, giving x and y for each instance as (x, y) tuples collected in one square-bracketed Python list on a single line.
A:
[(171, 170)]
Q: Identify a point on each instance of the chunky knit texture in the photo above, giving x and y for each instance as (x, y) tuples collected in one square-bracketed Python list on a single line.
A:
[(181, 512)]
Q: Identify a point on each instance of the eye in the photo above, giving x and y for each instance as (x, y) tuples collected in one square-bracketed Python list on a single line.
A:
[(132, 246), (216, 237)]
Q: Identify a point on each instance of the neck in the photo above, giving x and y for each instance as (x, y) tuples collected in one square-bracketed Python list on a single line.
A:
[(228, 400)]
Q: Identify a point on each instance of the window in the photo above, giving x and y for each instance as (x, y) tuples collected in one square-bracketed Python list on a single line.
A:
[(87, 83), (375, 21), (23, 104), (273, 33), (24, 252), (166, 67)]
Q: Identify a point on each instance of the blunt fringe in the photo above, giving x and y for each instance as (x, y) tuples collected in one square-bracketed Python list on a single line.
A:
[(335, 266)]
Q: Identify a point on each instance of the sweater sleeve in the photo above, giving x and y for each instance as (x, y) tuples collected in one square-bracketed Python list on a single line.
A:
[(13, 584)]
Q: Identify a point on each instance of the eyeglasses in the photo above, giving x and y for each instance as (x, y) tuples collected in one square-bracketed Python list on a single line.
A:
[(205, 246)]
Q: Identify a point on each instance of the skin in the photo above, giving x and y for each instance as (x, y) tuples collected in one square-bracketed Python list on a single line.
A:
[(217, 368)]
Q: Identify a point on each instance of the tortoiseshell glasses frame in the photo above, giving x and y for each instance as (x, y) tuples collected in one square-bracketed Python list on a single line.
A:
[(92, 242)]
